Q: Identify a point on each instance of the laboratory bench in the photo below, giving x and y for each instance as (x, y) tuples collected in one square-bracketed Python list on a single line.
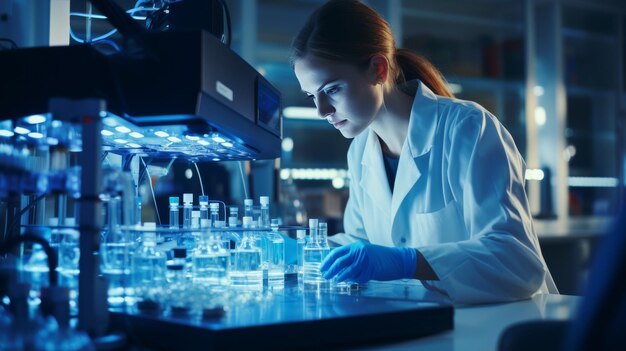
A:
[(480, 327), (394, 315), (287, 317)]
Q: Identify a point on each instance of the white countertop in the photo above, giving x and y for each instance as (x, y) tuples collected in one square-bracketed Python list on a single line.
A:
[(480, 327), (572, 228)]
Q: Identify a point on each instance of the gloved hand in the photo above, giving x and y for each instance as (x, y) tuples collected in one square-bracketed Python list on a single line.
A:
[(360, 262)]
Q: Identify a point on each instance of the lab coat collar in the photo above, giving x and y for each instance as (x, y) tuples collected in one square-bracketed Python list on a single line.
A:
[(422, 125), (423, 122), (419, 141), (374, 177)]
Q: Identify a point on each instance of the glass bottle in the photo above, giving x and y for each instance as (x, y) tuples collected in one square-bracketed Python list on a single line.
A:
[(176, 267), (314, 254), (174, 212), (148, 269), (247, 272), (115, 253), (275, 255), (210, 261)]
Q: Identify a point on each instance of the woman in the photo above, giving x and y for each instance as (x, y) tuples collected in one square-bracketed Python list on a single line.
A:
[(437, 184)]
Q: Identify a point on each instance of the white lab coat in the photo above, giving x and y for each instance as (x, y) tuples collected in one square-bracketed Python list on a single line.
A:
[(458, 198)]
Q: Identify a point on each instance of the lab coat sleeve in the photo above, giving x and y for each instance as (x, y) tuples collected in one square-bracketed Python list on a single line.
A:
[(352, 219), (499, 261)]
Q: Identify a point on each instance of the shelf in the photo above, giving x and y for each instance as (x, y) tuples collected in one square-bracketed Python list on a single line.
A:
[(478, 83), (579, 34), (462, 19), (573, 89)]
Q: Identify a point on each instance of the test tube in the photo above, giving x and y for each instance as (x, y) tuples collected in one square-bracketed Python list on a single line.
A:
[(215, 216), (187, 209), (300, 242), (173, 212), (195, 219), (233, 217), (247, 208), (264, 220), (204, 207)]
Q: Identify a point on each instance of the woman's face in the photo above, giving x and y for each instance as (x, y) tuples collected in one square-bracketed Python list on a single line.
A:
[(345, 95)]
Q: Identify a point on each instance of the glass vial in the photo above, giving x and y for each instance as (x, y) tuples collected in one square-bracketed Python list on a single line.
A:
[(233, 217), (247, 208), (300, 243), (187, 209), (174, 212), (215, 213), (264, 219), (195, 219), (204, 208)]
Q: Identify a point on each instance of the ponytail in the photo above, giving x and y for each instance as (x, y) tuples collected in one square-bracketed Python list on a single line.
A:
[(328, 35), (414, 66)]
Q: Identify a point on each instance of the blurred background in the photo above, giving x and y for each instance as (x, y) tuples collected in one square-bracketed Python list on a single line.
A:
[(552, 71)]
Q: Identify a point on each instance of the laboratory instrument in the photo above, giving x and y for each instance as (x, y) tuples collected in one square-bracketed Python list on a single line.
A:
[(126, 112)]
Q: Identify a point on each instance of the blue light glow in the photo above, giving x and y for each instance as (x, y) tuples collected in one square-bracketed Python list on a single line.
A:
[(120, 141), (122, 129), (35, 135), (109, 121), (35, 119), (6, 133), (21, 130), (218, 139)]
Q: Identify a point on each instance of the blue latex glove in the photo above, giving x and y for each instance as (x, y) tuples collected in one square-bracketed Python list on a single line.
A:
[(360, 262)]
